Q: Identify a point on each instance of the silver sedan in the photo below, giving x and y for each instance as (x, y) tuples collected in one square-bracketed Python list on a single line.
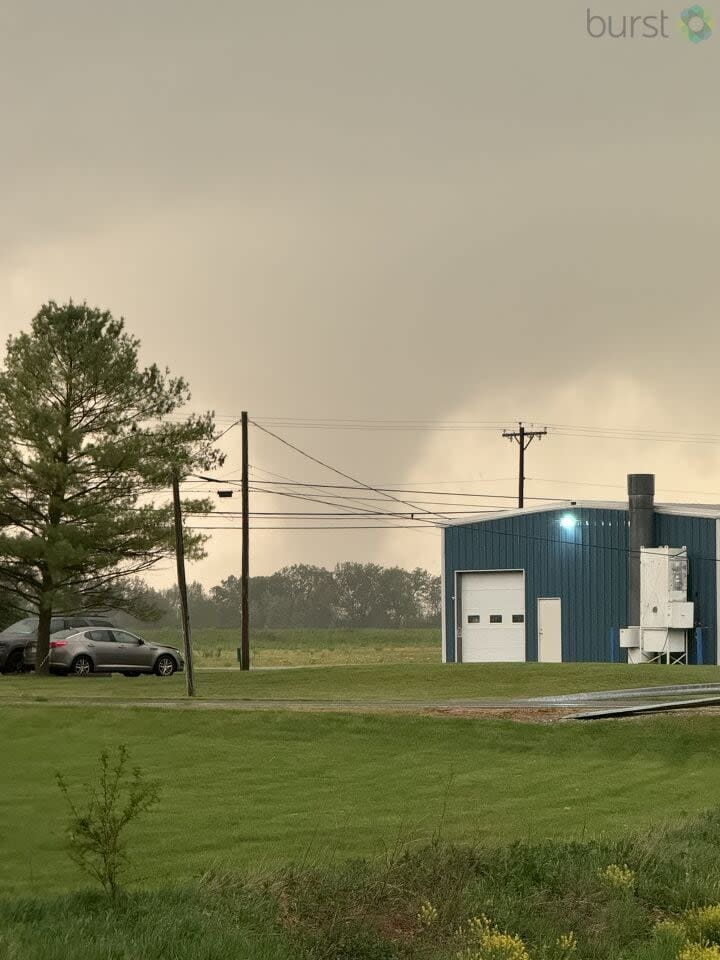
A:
[(99, 650)]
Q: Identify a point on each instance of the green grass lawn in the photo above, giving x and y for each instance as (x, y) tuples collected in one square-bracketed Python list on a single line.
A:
[(243, 790), (291, 648), (412, 681)]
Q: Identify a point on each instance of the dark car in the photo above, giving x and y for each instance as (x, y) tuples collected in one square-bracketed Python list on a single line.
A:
[(18, 642)]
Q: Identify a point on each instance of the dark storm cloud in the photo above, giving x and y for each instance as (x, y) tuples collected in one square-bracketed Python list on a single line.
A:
[(388, 209)]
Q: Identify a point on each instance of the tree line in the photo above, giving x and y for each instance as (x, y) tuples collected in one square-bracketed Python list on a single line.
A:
[(350, 595)]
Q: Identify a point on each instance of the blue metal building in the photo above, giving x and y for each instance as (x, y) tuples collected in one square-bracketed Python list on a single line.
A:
[(551, 583)]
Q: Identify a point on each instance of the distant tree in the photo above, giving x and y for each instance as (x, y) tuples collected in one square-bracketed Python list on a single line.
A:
[(203, 609), (86, 444), (310, 592), (145, 606), (372, 596), (426, 595), (268, 607), (434, 601), (227, 599), (359, 594)]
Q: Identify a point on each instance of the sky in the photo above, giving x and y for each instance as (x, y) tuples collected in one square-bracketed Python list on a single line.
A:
[(392, 210)]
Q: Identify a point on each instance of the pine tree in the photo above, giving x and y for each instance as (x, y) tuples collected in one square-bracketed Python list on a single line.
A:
[(89, 441)]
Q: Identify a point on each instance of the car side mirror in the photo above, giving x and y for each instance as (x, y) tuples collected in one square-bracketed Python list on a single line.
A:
[(141, 643)]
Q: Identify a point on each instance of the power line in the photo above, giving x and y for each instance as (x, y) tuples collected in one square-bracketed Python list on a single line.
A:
[(571, 430), (338, 499), (384, 490), (612, 432), (330, 503), (323, 515), (414, 527), (398, 483), (464, 494), (360, 511), (341, 497), (226, 430), (340, 473), (620, 486), (379, 426), (492, 532), (364, 499), (287, 481)]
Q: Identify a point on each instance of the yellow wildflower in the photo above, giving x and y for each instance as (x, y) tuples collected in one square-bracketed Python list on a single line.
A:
[(700, 951), (620, 877), (671, 928), (428, 914), (566, 945), (489, 943), (703, 924)]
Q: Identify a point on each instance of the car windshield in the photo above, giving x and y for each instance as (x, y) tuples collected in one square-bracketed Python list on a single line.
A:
[(61, 634), (21, 628)]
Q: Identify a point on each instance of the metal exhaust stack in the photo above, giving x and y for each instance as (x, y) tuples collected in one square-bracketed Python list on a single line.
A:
[(641, 497)]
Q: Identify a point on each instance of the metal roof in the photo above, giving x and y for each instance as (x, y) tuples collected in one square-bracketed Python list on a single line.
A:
[(709, 510)]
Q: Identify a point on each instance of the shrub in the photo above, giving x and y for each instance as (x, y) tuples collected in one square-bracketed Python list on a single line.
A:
[(97, 831)]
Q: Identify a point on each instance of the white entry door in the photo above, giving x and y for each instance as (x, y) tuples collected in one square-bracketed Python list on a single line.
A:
[(550, 630), (492, 616)]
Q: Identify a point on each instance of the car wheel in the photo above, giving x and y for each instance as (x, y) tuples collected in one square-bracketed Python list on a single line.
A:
[(165, 666), (14, 663), (82, 666), (131, 673)]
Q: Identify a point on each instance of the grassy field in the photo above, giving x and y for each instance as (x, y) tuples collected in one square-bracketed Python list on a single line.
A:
[(305, 836), (243, 790), (413, 681), (186, 923), (294, 648), (642, 897)]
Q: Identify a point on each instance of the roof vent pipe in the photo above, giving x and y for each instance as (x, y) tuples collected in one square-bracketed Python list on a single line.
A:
[(641, 497)]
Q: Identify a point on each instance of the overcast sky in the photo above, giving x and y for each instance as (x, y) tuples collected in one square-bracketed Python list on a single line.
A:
[(394, 209)]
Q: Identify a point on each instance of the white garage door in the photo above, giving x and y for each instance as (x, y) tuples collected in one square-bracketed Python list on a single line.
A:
[(493, 616)]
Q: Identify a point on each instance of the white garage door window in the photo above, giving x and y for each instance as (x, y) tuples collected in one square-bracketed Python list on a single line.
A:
[(492, 611)]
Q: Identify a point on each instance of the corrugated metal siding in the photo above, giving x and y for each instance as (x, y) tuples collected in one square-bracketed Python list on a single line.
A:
[(586, 566), (698, 535)]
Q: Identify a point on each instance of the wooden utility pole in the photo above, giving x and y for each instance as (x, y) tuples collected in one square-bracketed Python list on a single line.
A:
[(524, 438), (182, 588), (245, 611)]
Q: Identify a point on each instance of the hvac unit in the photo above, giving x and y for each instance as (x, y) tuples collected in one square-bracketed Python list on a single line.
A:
[(665, 614)]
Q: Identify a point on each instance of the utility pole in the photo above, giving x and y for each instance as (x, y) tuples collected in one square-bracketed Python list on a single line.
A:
[(524, 438), (182, 587), (245, 612)]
